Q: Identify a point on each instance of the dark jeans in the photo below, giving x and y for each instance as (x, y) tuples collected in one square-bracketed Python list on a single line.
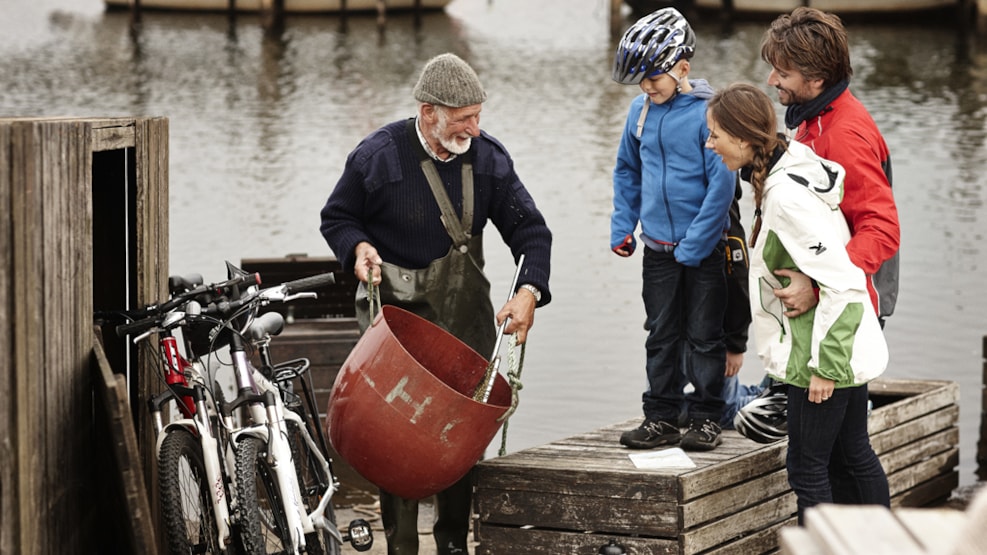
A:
[(684, 308), (830, 458)]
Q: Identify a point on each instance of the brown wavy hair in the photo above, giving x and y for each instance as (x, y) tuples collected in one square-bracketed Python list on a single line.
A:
[(745, 112), (810, 41)]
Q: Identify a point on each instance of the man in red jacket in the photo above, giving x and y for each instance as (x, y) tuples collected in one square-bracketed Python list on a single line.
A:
[(810, 67)]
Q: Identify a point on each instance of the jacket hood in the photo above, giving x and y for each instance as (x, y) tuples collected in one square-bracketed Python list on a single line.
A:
[(824, 178), (701, 89)]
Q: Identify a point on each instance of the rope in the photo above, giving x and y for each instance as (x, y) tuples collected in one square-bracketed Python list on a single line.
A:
[(514, 365)]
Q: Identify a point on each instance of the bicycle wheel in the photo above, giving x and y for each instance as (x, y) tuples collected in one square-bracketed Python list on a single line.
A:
[(313, 482), (263, 526), (186, 504)]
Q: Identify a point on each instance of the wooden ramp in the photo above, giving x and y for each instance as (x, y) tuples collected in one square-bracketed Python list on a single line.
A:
[(574, 495)]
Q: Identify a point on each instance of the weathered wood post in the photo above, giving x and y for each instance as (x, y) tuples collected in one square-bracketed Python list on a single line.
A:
[(272, 14), (381, 12), (135, 12), (616, 22)]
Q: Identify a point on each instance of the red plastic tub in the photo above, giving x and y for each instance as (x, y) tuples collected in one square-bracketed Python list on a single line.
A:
[(402, 413)]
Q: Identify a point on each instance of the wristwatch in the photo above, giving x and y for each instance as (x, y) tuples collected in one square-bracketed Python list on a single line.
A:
[(533, 290)]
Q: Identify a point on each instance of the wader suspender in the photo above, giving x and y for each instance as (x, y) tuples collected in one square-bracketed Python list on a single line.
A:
[(458, 230)]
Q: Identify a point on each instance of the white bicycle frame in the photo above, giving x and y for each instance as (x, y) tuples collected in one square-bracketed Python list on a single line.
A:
[(269, 425), (208, 442)]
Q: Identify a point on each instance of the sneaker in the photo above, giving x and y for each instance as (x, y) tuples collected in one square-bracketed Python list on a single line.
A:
[(703, 435), (651, 434)]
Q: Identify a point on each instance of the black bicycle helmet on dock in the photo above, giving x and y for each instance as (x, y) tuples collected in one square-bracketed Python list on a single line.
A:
[(652, 46), (765, 419)]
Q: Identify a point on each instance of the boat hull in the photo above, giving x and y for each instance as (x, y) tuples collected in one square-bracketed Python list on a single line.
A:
[(835, 6), (290, 6), (841, 7)]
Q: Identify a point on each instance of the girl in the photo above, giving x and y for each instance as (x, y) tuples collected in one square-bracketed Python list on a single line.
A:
[(828, 354)]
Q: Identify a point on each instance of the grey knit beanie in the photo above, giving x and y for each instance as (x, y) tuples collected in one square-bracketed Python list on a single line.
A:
[(449, 81)]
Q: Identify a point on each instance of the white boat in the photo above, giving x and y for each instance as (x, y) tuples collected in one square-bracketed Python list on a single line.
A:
[(834, 6), (839, 7), (290, 6)]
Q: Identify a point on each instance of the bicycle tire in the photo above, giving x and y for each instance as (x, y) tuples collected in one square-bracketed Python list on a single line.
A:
[(185, 496), (263, 525), (312, 481)]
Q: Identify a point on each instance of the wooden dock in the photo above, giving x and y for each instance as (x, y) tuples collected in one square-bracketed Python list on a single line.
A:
[(576, 494)]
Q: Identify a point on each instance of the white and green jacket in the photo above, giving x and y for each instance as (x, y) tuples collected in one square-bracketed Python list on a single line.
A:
[(803, 229)]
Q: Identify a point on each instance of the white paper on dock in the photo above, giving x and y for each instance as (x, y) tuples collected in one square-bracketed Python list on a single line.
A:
[(666, 458)]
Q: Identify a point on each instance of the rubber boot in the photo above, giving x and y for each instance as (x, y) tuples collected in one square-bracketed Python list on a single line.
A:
[(452, 510), (400, 519)]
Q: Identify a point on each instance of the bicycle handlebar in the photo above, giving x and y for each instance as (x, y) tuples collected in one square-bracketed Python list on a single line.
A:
[(285, 292), (139, 326), (310, 283)]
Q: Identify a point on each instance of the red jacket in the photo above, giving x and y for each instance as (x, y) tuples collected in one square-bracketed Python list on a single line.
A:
[(845, 133)]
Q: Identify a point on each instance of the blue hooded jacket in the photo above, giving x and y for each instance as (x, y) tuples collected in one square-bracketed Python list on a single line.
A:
[(668, 180)]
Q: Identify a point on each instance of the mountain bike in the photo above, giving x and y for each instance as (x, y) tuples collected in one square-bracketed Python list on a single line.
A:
[(207, 507), (283, 481), (193, 484)]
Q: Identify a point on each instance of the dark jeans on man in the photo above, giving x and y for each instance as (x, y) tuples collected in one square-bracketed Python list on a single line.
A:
[(684, 308), (830, 458)]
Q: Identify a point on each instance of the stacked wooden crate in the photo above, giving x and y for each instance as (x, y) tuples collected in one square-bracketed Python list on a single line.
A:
[(575, 495), (846, 529)]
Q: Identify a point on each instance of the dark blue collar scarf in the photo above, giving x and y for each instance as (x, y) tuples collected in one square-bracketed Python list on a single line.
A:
[(797, 113)]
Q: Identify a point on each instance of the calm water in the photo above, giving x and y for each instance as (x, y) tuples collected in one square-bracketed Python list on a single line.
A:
[(261, 125)]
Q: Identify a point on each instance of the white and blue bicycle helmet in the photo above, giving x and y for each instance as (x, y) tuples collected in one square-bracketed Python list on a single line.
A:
[(765, 419), (652, 46)]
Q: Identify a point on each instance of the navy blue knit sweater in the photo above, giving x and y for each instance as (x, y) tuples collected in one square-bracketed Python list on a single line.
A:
[(383, 198)]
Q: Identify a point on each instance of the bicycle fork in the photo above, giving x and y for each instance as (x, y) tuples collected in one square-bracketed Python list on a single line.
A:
[(267, 412)]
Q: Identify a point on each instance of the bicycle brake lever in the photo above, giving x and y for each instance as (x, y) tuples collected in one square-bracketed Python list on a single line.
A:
[(302, 295)]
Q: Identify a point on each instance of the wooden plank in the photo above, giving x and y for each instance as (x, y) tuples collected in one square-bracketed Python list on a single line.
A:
[(911, 476), (112, 389), (918, 398), (579, 513), (150, 276), (9, 509), (934, 491), (915, 430), (935, 530), (113, 138), (907, 454), (727, 501), (28, 336), (764, 540), (499, 540), (719, 532), (864, 528), (763, 458), (798, 541), (595, 473)]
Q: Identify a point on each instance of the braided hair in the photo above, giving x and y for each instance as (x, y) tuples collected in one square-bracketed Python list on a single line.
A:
[(745, 112)]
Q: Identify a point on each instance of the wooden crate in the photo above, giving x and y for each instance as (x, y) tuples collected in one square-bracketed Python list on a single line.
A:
[(850, 529), (572, 496), (334, 301)]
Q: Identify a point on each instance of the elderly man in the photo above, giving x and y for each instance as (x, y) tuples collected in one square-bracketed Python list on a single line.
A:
[(412, 204)]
